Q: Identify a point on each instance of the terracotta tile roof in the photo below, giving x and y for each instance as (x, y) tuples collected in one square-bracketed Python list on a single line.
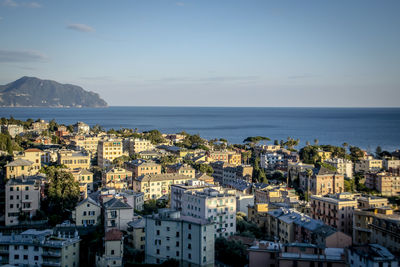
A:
[(113, 235)]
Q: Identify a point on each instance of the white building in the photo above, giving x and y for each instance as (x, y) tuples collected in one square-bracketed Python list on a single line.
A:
[(269, 160), (117, 214), (170, 235), (217, 206), (87, 212), (343, 166), (22, 197), (177, 190), (40, 248), (81, 128)]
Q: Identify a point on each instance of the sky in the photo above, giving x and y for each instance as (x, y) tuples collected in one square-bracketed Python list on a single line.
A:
[(209, 53)]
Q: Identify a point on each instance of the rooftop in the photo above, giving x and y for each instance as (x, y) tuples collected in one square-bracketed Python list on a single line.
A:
[(113, 235), (19, 162)]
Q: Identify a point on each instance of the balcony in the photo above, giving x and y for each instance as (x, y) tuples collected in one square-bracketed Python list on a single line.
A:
[(52, 253), (51, 263)]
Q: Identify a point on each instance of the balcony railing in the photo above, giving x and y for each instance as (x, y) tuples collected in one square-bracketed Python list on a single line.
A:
[(52, 253)]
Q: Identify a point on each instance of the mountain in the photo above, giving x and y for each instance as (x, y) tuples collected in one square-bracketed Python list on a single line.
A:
[(34, 92)]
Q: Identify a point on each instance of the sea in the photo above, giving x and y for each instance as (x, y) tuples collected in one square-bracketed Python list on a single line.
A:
[(363, 127)]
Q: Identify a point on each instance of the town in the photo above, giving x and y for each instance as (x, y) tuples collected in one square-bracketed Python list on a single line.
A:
[(81, 195)]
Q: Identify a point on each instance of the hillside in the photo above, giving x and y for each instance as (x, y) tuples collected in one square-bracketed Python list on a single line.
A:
[(34, 92)]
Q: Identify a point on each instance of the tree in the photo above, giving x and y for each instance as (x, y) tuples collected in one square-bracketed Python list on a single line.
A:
[(349, 185), (308, 143), (233, 253), (255, 139), (291, 143), (378, 151), (63, 192), (121, 160), (276, 142), (356, 153), (309, 175), (316, 141)]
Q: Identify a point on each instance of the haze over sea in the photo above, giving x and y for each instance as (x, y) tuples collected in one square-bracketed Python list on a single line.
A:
[(363, 127)]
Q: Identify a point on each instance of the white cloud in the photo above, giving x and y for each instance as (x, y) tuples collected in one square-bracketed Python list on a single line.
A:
[(10, 3), (80, 27), (21, 56), (13, 3)]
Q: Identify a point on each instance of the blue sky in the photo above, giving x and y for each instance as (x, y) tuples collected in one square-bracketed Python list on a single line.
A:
[(209, 53)]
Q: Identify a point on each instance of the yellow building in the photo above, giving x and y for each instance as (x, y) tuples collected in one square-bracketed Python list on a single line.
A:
[(117, 178), (258, 214), (234, 158), (108, 151), (137, 233), (32, 154), (87, 143), (324, 155), (157, 185), (183, 169), (20, 168), (74, 159), (83, 176), (113, 249), (138, 145)]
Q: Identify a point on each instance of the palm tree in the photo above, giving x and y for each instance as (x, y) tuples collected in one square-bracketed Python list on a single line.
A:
[(309, 174), (316, 141), (308, 143)]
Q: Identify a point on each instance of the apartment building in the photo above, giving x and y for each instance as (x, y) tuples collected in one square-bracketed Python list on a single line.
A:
[(22, 197), (368, 202), (386, 183), (137, 233), (83, 176), (32, 154), (142, 167), (171, 235), (270, 160), (370, 255), (87, 212), (155, 186), (218, 206), (335, 210), (230, 157), (274, 194), (294, 170), (40, 126), (117, 178), (81, 128), (74, 159), (390, 164), (343, 166), (107, 151), (113, 249), (117, 214), (87, 143), (322, 182), (289, 225), (368, 165), (132, 198), (40, 248), (265, 253), (385, 229), (183, 169), (324, 155), (177, 191), (20, 168), (138, 145)]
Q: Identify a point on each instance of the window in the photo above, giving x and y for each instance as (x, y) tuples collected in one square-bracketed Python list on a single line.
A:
[(177, 243), (177, 253), (16, 257), (189, 236), (25, 257), (26, 196), (112, 252), (189, 256), (189, 246), (158, 251), (158, 232), (36, 258), (189, 226)]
